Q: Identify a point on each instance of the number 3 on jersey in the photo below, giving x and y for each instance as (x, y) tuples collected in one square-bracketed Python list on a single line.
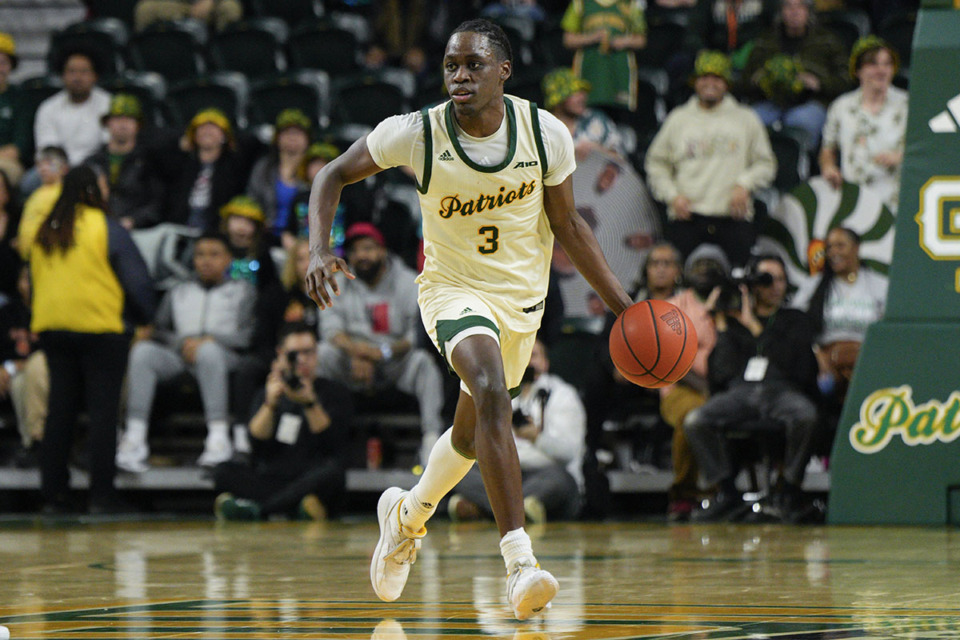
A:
[(491, 237)]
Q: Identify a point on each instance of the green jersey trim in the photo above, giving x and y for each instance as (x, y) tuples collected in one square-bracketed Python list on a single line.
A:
[(538, 137), (427, 151), (511, 144)]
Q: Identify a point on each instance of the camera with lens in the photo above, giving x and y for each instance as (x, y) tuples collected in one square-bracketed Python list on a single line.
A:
[(729, 299), (290, 377)]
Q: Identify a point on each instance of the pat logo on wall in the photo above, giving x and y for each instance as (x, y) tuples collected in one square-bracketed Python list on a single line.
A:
[(891, 411), (799, 223)]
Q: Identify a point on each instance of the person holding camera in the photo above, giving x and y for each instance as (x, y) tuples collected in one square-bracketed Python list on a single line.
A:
[(299, 426), (549, 429), (762, 371)]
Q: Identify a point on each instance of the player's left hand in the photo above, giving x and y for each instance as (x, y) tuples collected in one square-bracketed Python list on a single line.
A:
[(320, 273)]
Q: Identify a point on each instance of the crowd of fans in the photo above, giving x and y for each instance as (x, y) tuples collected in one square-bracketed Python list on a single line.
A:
[(243, 326)]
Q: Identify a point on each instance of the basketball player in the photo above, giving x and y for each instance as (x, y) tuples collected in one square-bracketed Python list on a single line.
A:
[(495, 189)]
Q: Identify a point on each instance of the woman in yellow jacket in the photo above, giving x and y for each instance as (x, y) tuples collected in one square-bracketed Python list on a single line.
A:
[(89, 279)]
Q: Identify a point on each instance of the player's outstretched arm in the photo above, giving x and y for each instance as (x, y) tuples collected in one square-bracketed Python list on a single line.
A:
[(352, 166), (581, 245)]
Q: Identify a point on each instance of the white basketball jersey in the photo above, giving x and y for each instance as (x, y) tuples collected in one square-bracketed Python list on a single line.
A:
[(484, 227)]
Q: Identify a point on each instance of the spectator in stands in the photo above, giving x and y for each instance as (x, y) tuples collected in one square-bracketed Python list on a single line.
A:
[(24, 377), (299, 307), (761, 369), (731, 25), (370, 335), (135, 190), (865, 133), (201, 327), (608, 396), (203, 171), (706, 161), (549, 427), (9, 221), (794, 70), (842, 303), (87, 273), (565, 96), (704, 270), (605, 36), (14, 128), (243, 226), (300, 425), (278, 177), (215, 13), (51, 167), (70, 118), (316, 157)]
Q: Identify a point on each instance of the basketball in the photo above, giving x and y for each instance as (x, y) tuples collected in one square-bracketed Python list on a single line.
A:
[(653, 343)]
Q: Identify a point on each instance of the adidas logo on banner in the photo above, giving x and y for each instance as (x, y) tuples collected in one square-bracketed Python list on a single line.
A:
[(946, 121), (446, 156)]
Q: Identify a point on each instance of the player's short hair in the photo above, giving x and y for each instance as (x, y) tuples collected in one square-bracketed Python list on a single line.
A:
[(492, 32)]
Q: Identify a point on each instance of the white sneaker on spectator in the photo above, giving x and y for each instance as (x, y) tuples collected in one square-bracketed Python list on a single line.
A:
[(396, 550), (530, 589), (215, 450), (132, 456)]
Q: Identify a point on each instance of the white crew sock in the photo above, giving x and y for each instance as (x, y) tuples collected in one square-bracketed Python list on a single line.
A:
[(218, 429), (515, 548), (136, 431), (445, 468), (241, 439)]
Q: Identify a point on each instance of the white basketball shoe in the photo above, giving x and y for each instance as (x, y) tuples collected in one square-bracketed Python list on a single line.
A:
[(396, 549), (530, 589)]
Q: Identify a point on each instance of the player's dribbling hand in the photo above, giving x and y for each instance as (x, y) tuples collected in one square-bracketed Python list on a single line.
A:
[(320, 273)]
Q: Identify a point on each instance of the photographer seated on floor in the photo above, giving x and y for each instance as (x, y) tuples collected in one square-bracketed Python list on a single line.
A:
[(549, 429), (299, 427), (762, 369)]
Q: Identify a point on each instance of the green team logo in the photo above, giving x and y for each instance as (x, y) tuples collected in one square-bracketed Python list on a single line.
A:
[(939, 217), (890, 412)]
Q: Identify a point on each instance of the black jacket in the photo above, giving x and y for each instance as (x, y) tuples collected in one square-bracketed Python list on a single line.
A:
[(786, 340)]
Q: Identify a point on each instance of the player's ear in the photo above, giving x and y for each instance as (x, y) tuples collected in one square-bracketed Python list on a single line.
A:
[(506, 70)]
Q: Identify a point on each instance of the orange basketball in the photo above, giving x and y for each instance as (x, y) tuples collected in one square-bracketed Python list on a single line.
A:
[(653, 343)]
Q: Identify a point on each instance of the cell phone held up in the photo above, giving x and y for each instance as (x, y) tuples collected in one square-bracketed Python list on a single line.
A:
[(290, 377)]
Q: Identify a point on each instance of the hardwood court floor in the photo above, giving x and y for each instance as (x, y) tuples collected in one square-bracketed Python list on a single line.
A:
[(200, 579)]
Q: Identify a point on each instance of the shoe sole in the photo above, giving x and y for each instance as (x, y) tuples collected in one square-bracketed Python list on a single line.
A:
[(537, 598), (385, 506)]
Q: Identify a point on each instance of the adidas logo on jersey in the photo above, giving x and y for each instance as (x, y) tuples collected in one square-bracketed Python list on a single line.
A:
[(446, 156), (466, 311), (943, 122)]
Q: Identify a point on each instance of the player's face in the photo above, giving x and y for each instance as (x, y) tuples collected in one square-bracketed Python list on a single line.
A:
[(473, 72)]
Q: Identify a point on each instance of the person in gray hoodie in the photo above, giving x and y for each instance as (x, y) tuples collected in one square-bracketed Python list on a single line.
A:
[(202, 326)]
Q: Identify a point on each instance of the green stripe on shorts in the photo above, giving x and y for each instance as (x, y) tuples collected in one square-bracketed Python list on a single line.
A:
[(447, 329)]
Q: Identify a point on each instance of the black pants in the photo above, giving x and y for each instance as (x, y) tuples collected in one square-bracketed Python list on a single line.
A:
[(278, 490), (735, 237), (86, 371)]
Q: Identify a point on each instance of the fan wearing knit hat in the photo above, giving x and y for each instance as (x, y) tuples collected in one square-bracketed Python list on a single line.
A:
[(865, 132), (135, 188), (565, 96), (277, 178), (14, 132)]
